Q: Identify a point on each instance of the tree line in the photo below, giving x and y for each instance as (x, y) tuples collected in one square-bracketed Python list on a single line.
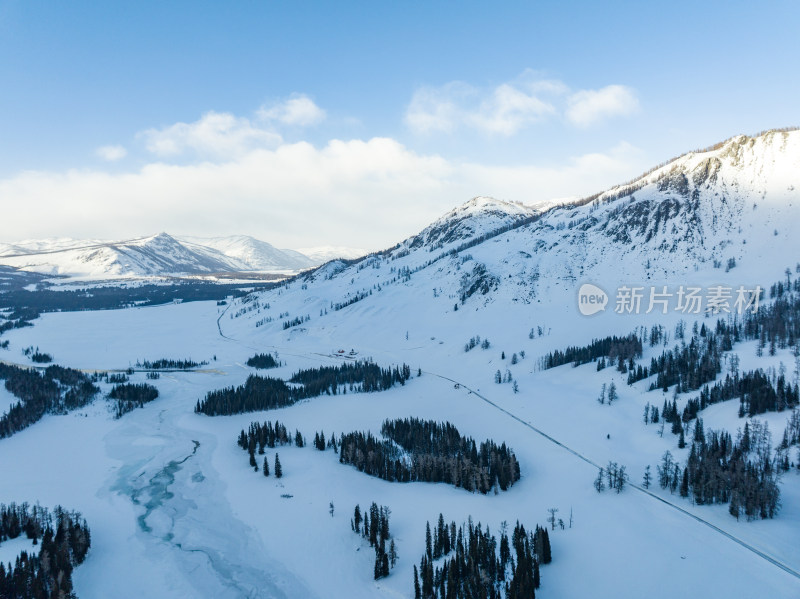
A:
[(266, 393), (169, 364), (476, 565), (63, 538), (613, 348)]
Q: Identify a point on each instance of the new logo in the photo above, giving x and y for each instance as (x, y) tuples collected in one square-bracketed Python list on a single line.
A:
[(591, 299)]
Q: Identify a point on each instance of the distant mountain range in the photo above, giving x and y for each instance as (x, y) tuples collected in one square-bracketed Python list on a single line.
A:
[(162, 255)]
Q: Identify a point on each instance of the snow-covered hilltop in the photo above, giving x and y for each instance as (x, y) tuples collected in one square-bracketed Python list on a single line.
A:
[(158, 255)]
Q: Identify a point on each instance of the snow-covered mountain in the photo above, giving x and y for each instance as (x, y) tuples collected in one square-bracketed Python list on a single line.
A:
[(712, 214), (255, 254), (325, 253), (159, 255)]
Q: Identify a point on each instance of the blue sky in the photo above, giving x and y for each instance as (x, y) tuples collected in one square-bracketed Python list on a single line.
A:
[(123, 119)]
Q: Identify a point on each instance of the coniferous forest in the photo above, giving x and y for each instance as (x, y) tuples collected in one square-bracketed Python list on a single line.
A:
[(476, 565), (54, 390), (63, 539), (266, 393), (428, 451)]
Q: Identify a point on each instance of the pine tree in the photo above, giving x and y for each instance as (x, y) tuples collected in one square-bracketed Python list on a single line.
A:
[(278, 469), (612, 393), (266, 467), (685, 483), (417, 590), (647, 477), (392, 553), (428, 541), (599, 482)]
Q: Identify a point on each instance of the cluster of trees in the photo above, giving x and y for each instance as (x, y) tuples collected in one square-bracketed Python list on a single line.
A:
[(322, 445), (429, 451), (614, 475), (169, 364), (298, 320), (350, 300), (476, 565), (267, 434), (362, 376), (257, 393), (373, 525), (41, 357), (54, 390), (477, 342), (742, 473), (689, 365), (63, 539), (612, 348), (755, 391), (263, 361), (776, 324), (130, 396), (265, 393)]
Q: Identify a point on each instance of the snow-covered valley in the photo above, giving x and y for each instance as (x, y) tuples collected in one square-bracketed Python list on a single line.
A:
[(175, 510)]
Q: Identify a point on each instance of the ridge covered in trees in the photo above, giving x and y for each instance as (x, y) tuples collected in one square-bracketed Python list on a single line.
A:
[(417, 450), (54, 390), (64, 540), (266, 393), (476, 565)]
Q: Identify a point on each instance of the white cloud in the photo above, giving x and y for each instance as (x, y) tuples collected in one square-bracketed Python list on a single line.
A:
[(367, 193), (508, 110), (215, 134), (512, 106), (438, 109), (587, 107), (298, 110), (111, 153), (504, 110)]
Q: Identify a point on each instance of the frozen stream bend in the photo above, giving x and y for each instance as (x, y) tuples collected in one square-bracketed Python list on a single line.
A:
[(183, 516)]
